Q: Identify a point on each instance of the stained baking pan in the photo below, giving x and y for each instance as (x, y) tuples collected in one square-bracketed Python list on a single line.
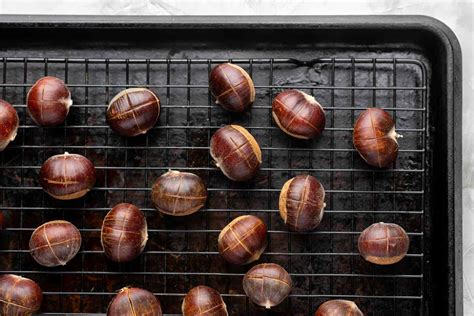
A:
[(408, 65)]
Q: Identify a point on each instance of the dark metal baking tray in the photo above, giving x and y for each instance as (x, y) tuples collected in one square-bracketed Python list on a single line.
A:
[(409, 65)]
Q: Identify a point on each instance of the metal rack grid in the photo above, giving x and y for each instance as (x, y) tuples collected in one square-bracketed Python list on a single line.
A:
[(182, 252)]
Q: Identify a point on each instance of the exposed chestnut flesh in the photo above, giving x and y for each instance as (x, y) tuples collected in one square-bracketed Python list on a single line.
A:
[(243, 240), (179, 193), (267, 284), (132, 301), (67, 176), (133, 111), (301, 203), (236, 152), (338, 308), (375, 137), (19, 296), (203, 301), (9, 123), (298, 114), (232, 87), (383, 243), (55, 243), (124, 233), (49, 101)]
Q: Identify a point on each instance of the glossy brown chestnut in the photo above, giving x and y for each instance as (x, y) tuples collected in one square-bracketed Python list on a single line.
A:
[(383, 243), (9, 123), (178, 193), (203, 301), (133, 111), (243, 240), (67, 176), (298, 114), (338, 308), (132, 301), (236, 152), (124, 233), (55, 243), (302, 203), (267, 284), (232, 87), (19, 296), (375, 138), (49, 101)]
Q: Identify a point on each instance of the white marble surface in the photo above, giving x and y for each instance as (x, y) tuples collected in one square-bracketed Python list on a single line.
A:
[(456, 14)]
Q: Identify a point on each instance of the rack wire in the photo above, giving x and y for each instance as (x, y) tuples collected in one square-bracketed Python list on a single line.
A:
[(182, 252)]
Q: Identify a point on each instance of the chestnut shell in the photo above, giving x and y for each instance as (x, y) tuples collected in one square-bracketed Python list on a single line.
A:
[(267, 284), (67, 176), (133, 111), (124, 233), (375, 138), (9, 123), (236, 152), (55, 243), (338, 308), (383, 243), (232, 87), (49, 101), (298, 114), (132, 301), (243, 240), (19, 296), (203, 301), (179, 193), (301, 203)]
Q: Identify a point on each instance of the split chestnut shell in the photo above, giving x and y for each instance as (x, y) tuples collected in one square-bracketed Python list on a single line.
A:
[(19, 296), (132, 301), (203, 301), (9, 123), (338, 308)]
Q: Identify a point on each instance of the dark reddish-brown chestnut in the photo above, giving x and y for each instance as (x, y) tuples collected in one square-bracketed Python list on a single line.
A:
[(19, 296), (55, 243), (124, 233), (9, 123), (338, 308), (301, 203), (132, 301), (178, 193), (383, 243), (298, 114), (133, 111), (67, 176), (375, 138), (203, 301), (243, 240), (49, 101), (267, 284), (232, 87), (236, 152)]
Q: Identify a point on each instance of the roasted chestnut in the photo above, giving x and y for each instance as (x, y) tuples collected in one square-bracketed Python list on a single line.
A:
[(236, 152), (243, 240), (375, 138), (133, 111), (383, 243), (203, 301), (9, 123), (338, 308), (298, 114), (19, 296), (301, 203), (232, 87), (49, 101), (267, 284), (178, 193), (124, 233), (67, 176), (132, 301), (55, 243)]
